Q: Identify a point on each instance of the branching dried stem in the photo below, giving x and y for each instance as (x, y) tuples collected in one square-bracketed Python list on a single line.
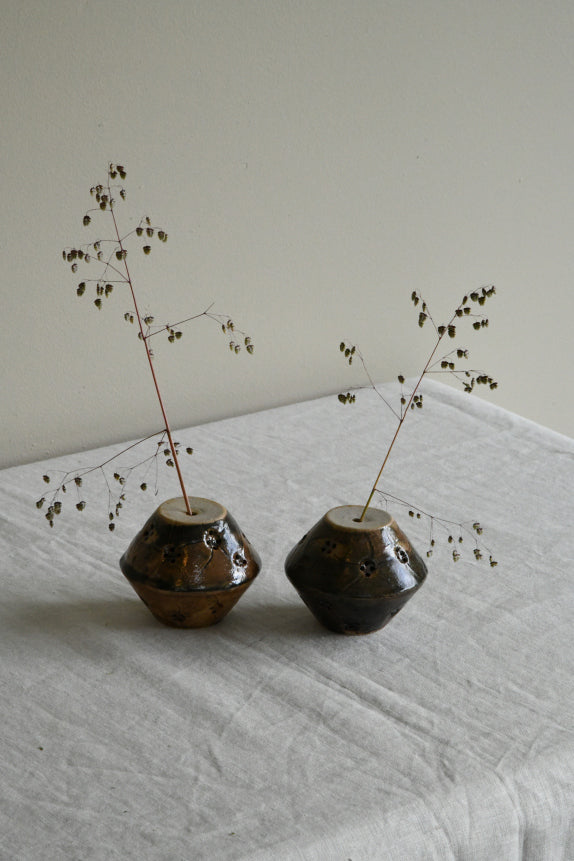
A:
[(455, 531), (445, 364), (53, 500), (116, 271)]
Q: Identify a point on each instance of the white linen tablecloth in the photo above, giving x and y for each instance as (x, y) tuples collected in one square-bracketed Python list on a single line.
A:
[(447, 735)]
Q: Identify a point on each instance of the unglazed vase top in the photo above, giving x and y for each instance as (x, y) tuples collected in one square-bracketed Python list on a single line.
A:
[(347, 517), (204, 511)]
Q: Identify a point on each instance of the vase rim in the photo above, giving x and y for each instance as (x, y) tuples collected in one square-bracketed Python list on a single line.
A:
[(347, 517), (203, 511)]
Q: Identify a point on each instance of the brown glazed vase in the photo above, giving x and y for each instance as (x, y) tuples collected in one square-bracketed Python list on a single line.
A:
[(190, 571), (355, 576)]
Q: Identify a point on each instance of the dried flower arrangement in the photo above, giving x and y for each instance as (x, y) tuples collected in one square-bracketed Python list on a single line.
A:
[(468, 378), (355, 568), (191, 562), (109, 258)]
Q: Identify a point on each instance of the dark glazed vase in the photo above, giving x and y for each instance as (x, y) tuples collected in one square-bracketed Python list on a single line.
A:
[(355, 576), (190, 571)]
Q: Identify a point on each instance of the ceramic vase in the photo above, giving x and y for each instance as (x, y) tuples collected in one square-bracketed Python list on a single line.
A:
[(190, 570), (355, 575)]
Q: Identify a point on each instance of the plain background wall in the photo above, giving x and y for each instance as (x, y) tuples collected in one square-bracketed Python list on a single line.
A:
[(313, 163)]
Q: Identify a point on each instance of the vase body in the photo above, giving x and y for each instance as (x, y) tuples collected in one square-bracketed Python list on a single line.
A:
[(355, 576), (190, 570)]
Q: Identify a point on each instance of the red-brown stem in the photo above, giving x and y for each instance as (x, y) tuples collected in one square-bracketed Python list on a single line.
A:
[(151, 367)]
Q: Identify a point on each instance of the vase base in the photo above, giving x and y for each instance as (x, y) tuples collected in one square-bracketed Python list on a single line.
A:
[(352, 616), (198, 609)]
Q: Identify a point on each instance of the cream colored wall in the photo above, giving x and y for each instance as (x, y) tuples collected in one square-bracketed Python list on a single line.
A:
[(313, 163)]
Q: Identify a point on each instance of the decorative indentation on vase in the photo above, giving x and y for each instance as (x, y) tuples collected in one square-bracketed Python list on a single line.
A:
[(328, 546), (367, 567), (239, 559), (149, 534), (401, 554), (171, 554), (212, 539)]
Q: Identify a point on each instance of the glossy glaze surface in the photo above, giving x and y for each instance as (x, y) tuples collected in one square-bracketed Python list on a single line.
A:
[(190, 571), (355, 576)]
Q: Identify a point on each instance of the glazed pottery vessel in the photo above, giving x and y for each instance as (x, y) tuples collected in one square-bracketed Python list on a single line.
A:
[(190, 570), (355, 575)]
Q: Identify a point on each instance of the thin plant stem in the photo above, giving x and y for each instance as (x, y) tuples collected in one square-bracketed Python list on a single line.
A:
[(169, 326), (151, 367), (119, 454), (403, 417)]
